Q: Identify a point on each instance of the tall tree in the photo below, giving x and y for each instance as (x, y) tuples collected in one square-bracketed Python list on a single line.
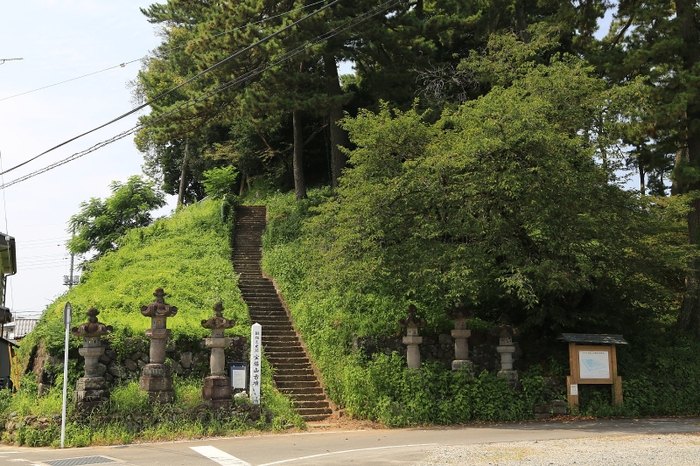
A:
[(659, 41), (99, 224), (501, 203)]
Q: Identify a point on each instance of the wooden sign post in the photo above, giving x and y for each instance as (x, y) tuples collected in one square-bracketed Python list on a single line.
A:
[(592, 361)]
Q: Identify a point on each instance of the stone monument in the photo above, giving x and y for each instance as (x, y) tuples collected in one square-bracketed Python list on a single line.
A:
[(217, 387), (505, 349), (459, 314), (156, 378), (90, 390), (412, 340)]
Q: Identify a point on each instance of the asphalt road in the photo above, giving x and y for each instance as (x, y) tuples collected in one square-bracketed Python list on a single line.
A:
[(327, 446)]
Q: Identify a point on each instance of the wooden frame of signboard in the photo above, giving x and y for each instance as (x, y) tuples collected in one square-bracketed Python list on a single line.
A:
[(592, 361)]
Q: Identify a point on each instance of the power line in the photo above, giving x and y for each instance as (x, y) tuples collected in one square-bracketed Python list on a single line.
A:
[(184, 83), (172, 49), (250, 74), (3, 60), (121, 65)]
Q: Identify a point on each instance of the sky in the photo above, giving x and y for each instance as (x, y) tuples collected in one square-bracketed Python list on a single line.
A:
[(60, 40)]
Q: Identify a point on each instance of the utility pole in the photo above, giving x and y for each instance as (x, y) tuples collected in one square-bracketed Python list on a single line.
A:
[(183, 185), (71, 280)]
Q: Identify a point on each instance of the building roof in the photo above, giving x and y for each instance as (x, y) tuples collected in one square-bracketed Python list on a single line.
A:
[(22, 326), (594, 338)]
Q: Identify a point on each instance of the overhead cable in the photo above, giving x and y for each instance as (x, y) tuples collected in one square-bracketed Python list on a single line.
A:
[(246, 76), (123, 64), (184, 83)]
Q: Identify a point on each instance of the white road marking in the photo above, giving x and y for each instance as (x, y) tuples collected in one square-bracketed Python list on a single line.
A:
[(320, 455), (218, 456)]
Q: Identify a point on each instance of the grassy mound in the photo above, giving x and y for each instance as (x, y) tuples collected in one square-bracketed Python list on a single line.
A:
[(187, 255)]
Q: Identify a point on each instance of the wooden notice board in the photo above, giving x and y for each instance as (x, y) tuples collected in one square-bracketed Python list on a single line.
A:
[(592, 361)]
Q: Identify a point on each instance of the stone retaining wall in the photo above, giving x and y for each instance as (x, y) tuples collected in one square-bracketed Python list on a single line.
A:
[(121, 364)]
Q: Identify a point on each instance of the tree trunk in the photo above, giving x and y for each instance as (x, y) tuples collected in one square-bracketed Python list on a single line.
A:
[(298, 158), (338, 136), (689, 316), (521, 20), (183, 174)]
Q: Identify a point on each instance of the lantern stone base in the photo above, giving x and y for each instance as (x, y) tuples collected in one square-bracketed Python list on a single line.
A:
[(463, 364), (510, 375), (157, 381), (217, 391), (90, 392)]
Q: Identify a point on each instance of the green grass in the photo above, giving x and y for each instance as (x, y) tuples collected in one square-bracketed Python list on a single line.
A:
[(189, 256)]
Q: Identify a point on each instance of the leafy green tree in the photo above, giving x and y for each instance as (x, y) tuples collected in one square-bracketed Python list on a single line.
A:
[(101, 223), (502, 203)]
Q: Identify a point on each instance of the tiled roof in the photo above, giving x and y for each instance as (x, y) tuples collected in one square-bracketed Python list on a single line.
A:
[(599, 338), (24, 326)]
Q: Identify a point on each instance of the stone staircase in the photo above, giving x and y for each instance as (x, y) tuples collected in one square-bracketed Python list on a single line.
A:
[(293, 373)]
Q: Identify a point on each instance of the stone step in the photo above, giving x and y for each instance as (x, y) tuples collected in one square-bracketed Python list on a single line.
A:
[(260, 294), (258, 282), (272, 344), (294, 384), (263, 301), (268, 311), (287, 348), (272, 335), (280, 327), (314, 411), (312, 405), (303, 372), (288, 361), (269, 318), (292, 366), (272, 353), (284, 349), (314, 418), (294, 378), (301, 398), (265, 286), (296, 392)]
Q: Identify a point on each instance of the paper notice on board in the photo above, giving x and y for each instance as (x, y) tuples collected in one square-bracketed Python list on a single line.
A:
[(594, 365)]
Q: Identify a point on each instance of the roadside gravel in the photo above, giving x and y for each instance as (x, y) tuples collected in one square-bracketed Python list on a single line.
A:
[(628, 450)]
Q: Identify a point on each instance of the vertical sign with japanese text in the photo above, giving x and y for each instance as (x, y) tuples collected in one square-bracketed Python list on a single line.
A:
[(255, 362)]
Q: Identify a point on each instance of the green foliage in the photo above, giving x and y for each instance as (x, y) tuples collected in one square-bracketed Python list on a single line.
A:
[(219, 182), (100, 224), (500, 204), (187, 255), (507, 203)]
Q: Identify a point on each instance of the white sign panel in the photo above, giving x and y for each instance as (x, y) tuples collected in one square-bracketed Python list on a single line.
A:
[(255, 362), (238, 376), (573, 389), (594, 364)]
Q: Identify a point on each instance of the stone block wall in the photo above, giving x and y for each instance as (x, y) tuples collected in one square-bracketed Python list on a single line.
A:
[(124, 362), (186, 360)]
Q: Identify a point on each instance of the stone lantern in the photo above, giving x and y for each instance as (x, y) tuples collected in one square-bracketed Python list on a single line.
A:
[(156, 378), (217, 387), (90, 389), (412, 340), (505, 349), (459, 314)]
